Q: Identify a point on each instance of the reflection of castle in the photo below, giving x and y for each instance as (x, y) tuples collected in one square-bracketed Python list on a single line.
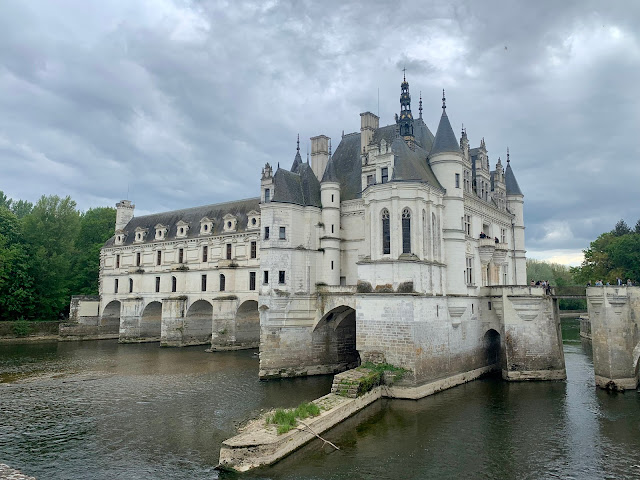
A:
[(398, 247)]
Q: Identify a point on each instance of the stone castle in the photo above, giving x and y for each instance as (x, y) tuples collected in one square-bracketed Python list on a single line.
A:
[(399, 247)]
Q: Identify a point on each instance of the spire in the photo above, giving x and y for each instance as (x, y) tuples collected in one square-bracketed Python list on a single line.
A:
[(510, 179), (445, 140), (329, 148), (405, 121), (420, 107), (444, 101), (297, 161), (508, 159)]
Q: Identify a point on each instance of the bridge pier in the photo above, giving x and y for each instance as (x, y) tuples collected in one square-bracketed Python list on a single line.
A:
[(130, 313), (172, 330), (614, 312)]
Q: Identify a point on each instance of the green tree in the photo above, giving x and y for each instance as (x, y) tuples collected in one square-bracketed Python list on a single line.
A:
[(50, 231), (96, 227), (621, 228)]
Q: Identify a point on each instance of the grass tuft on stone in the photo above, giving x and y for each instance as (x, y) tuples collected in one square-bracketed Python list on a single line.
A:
[(286, 419)]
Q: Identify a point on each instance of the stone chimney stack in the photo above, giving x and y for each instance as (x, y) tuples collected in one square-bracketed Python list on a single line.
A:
[(319, 155), (368, 124), (124, 213)]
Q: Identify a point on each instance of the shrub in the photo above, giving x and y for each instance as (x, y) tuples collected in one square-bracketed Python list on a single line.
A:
[(386, 288), (364, 287), (21, 328), (405, 287)]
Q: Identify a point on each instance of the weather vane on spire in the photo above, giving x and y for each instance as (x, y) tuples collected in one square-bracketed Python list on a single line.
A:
[(420, 107), (404, 74), (298, 147), (508, 160), (444, 100)]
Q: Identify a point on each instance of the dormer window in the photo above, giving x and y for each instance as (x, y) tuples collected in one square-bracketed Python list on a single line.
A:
[(230, 223), (120, 235), (161, 231), (253, 219), (206, 226), (140, 235), (182, 228)]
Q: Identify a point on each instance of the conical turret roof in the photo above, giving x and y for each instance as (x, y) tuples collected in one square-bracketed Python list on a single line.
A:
[(510, 182), (445, 140)]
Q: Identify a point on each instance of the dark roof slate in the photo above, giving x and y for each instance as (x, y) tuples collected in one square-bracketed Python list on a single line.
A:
[(301, 188), (511, 183), (445, 140), (347, 165), (411, 165), (296, 162), (192, 216)]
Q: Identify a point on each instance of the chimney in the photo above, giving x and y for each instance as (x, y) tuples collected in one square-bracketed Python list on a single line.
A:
[(124, 213), (368, 124), (319, 155)]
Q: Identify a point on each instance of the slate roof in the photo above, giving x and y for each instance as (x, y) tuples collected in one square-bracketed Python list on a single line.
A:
[(510, 180), (445, 140), (192, 216), (301, 188), (296, 162), (412, 165)]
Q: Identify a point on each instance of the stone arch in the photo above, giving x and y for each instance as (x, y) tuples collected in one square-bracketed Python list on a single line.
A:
[(248, 323), (491, 347), (198, 323), (334, 338), (111, 314), (151, 321)]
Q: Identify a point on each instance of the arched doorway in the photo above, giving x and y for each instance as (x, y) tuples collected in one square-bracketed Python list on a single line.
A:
[(111, 315), (334, 338), (491, 348), (151, 321), (248, 324), (198, 323)]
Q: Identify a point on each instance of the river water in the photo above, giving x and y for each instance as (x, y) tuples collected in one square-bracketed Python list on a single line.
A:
[(100, 410)]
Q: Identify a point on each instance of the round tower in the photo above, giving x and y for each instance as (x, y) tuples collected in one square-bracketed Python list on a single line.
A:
[(330, 238)]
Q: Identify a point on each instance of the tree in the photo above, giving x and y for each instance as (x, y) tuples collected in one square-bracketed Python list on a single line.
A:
[(50, 231), (96, 227), (637, 227), (621, 228)]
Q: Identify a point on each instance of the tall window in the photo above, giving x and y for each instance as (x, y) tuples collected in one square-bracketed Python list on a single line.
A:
[(457, 180), (435, 240), (115, 286), (180, 255), (467, 225), (228, 251), (203, 283), (283, 233), (468, 277), (266, 233), (117, 261), (265, 277), (222, 283), (205, 253), (384, 173), (130, 285), (254, 249), (267, 195), (137, 259), (174, 284), (371, 180), (386, 233), (503, 235), (281, 277), (406, 231), (159, 257), (157, 284), (252, 280)]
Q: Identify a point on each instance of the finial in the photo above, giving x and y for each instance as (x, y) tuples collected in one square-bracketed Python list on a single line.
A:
[(329, 148), (444, 101), (508, 160), (298, 147), (420, 108), (463, 129), (404, 74)]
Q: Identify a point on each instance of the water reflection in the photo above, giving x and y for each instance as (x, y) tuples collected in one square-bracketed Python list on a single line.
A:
[(102, 410)]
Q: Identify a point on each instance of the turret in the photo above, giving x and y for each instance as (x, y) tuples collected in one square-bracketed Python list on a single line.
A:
[(297, 161), (124, 214), (515, 205), (405, 120), (330, 238)]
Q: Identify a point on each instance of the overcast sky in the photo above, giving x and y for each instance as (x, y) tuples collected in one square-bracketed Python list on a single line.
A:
[(180, 103)]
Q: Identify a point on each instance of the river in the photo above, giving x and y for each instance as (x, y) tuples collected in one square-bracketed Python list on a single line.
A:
[(100, 410)]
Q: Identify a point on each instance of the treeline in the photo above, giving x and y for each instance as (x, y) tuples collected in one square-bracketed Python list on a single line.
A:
[(557, 275), (48, 252), (614, 254)]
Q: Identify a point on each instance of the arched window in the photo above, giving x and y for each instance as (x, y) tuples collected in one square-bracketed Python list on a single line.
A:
[(434, 236), (222, 283), (174, 284), (406, 231), (386, 233)]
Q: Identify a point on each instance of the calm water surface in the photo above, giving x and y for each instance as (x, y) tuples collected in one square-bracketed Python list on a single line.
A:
[(99, 410)]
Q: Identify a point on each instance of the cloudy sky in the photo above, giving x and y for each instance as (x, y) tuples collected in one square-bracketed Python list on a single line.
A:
[(180, 103)]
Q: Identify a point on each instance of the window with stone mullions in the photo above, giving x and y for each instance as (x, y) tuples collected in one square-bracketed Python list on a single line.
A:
[(384, 174), (386, 233), (406, 231)]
